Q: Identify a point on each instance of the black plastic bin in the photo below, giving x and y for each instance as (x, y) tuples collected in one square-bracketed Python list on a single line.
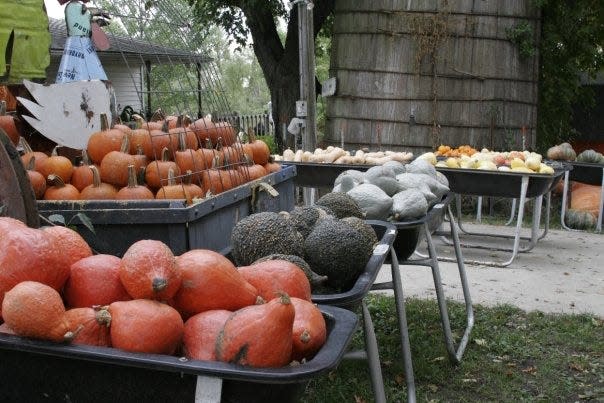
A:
[(386, 233), (479, 182), (408, 232), (586, 172), (207, 224), (38, 371), (320, 175)]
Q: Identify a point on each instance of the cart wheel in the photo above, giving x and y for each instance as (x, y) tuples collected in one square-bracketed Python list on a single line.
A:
[(17, 198)]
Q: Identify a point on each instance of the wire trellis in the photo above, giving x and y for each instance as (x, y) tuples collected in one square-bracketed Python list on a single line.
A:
[(165, 57), (163, 63)]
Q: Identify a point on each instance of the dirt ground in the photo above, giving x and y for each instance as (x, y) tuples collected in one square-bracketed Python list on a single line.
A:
[(564, 273)]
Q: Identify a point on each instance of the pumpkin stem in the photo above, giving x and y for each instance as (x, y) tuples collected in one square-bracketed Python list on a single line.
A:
[(31, 165), (125, 148), (55, 152), (69, 336), (139, 121), (182, 144), (3, 108), (56, 180), (283, 297), (305, 336), (102, 316), (165, 127), (164, 154), (26, 147), (159, 284), (132, 182), (188, 179), (259, 300), (104, 122), (85, 158), (96, 176), (158, 115)]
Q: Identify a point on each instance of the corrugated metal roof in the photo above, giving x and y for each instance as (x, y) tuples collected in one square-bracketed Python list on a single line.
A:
[(126, 49)]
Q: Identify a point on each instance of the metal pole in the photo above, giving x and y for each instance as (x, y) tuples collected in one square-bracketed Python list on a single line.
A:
[(310, 141), (307, 71)]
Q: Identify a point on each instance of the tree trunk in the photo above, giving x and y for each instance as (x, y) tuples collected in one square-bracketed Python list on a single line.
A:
[(280, 64)]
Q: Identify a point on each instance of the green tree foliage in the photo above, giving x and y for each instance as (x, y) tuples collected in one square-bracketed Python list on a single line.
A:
[(257, 21), (572, 42)]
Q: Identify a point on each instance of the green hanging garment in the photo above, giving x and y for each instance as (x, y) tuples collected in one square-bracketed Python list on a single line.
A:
[(28, 54)]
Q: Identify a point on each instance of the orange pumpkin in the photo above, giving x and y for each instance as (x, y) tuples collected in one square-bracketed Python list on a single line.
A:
[(73, 246), (37, 180), (156, 173), (95, 280), (158, 140), (58, 165), (271, 166), (60, 190), (104, 141), (273, 277), (210, 281), (82, 175), (88, 326), (145, 326), (8, 123), (201, 331), (148, 270), (140, 137), (173, 190), (260, 151), (180, 128), (252, 171), (114, 166), (586, 198), (211, 158), (98, 190), (258, 335), (134, 191), (32, 309), (192, 189), (39, 156), (189, 160), (205, 129), (29, 254), (309, 330)]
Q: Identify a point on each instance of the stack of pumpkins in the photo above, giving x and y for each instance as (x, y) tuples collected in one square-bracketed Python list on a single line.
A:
[(197, 304), (172, 158)]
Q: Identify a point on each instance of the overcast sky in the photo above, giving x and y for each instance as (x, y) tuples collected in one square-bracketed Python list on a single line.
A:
[(54, 9)]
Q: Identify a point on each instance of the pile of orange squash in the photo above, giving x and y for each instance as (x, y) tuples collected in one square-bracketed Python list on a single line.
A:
[(197, 305), (172, 158), (455, 152)]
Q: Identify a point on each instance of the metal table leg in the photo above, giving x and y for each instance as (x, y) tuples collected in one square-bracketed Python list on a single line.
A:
[(599, 224), (373, 357), (564, 202), (512, 213), (516, 237), (455, 354), (371, 354)]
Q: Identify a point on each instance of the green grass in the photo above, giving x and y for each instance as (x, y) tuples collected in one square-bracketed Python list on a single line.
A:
[(512, 356)]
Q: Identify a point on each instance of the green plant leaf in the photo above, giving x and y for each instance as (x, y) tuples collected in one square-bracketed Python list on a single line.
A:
[(56, 218), (85, 220)]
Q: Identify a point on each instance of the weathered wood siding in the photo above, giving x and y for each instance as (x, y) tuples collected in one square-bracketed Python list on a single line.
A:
[(478, 91)]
